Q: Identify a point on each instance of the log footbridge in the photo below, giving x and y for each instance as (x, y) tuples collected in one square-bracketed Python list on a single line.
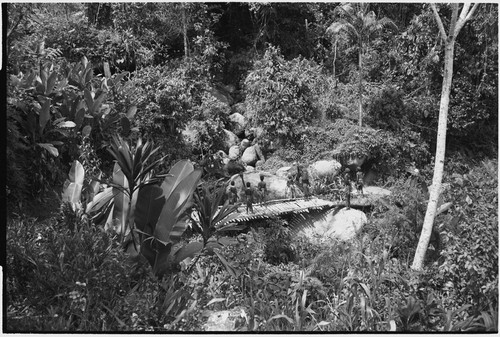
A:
[(298, 212)]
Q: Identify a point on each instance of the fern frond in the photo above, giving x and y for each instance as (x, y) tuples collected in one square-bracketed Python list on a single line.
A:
[(52, 53)]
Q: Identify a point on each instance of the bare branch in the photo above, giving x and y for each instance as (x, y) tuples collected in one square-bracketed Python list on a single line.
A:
[(453, 21), (439, 22), (465, 15)]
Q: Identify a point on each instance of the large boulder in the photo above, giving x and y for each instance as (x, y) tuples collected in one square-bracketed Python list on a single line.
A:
[(276, 186), (224, 320), (234, 152), (239, 120), (230, 139), (252, 155), (284, 171), (324, 169), (249, 156), (343, 225), (369, 197)]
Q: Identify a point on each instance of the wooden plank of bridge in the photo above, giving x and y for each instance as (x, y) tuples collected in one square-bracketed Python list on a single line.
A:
[(281, 207)]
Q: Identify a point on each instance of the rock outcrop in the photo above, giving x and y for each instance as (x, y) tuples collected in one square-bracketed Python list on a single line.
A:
[(230, 139), (324, 169), (340, 226), (252, 156)]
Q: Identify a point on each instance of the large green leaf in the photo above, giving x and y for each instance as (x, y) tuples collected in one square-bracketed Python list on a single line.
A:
[(49, 147), (50, 83), (189, 250), (178, 172), (44, 115), (149, 205), (77, 173), (72, 193), (176, 203), (88, 99), (100, 200), (121, 200)]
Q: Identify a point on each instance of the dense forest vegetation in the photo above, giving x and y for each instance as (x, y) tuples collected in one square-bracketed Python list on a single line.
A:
[(116, 113)]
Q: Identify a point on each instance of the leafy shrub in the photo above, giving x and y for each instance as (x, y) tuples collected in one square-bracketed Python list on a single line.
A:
[(278, 243), (398, 219), (386, 110), (279, 93), (470, 238), (69, 280)]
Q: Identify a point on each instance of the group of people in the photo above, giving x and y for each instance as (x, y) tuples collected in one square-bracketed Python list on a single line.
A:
[(250, 194), (301, 179)]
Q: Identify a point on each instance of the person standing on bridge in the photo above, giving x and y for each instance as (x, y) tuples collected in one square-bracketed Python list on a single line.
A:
[(347, 183), (359, 180), (304, 180), (233, 194), (249, 197), (261, 187), (290, 186)]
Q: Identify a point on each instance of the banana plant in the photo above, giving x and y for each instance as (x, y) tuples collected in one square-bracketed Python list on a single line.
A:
[(161, 216), (73, 186)]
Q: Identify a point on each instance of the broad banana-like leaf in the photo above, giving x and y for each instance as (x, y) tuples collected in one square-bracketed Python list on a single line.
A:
[(100, 200), (50, 83), (150, 201), (49, 147), (73, 192), (43, 77), (89, 73), (87, 94), (94, 186), (121, 200), (77, 173), (178, 172), (44, 115), (109, 221), (176, 202), (189, 250)]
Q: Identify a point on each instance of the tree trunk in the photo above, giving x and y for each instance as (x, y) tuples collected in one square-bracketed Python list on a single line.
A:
[(334, 60), (435, 190), (184, 30), (360, 85), (456, 25)]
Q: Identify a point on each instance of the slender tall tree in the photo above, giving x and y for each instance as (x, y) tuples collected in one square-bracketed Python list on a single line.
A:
[(449, 39), (360, 25), (184, 30)]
